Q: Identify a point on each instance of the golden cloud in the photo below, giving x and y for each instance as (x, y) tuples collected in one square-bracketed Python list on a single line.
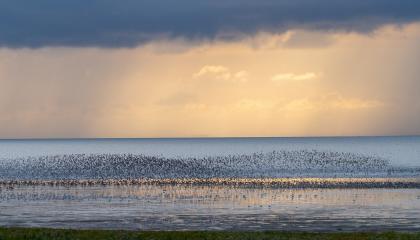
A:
[(294, 77), (369, 87), (221, 73)]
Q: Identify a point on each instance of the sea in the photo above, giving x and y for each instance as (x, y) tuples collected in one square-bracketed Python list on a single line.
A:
[(292, 184)]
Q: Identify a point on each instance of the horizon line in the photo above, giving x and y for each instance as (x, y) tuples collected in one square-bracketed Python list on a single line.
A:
[(191, 138)]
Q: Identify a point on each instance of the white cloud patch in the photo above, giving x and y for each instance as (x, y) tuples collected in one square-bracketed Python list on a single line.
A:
[(219, 72), (294, 77), (241, 76)]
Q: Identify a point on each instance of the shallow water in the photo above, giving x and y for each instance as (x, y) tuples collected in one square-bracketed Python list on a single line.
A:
[(175, 207), (355, 184)]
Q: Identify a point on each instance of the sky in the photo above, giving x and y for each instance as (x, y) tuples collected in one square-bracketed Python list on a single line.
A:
[(200, 68)]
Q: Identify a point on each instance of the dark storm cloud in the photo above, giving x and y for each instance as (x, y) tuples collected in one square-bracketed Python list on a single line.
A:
[(127, 23)]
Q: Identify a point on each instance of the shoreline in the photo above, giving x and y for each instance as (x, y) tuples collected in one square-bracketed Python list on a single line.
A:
[(15, 233)]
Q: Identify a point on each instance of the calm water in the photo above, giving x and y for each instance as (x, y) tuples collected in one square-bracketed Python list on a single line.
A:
[(210, 206)]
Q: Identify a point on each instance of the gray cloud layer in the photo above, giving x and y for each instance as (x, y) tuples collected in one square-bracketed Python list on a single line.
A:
[(111, 23)]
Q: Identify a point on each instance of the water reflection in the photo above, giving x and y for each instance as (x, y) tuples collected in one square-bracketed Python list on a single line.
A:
[(182, 207)]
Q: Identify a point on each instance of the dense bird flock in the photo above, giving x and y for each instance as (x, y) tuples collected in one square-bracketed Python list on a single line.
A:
[(229, 182), (282, 169), (259, 165)]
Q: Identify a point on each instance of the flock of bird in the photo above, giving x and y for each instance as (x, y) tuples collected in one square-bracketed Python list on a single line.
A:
[(276, 164), (284, 183)]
